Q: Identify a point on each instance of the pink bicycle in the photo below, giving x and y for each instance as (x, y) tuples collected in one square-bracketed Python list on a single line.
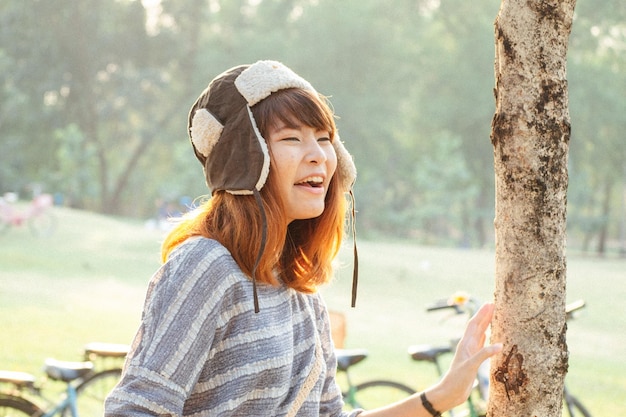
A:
[(36, 214)]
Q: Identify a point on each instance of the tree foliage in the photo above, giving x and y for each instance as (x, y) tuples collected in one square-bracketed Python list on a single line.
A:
[(95, 95)]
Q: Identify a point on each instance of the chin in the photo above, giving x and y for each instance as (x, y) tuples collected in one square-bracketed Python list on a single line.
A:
[(310, 214)]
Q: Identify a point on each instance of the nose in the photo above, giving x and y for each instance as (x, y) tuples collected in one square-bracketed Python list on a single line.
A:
[(316, 152)]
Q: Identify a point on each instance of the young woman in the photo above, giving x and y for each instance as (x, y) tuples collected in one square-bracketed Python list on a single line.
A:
[(233, 324)]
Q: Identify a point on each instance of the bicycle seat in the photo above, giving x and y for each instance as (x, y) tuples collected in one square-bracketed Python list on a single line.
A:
[(348, 357), (19, 379), (110, 350), (66, 371), (427, 352)]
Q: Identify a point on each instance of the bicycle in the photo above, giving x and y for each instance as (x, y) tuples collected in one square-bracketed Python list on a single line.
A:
[(86, 385), (108, 360), (37, 214), (573, 406), (19, 399), (462, 303), (366, 395), (370, 394)]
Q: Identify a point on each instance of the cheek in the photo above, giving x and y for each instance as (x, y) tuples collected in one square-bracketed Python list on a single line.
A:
[(331, 162), (281, 162)]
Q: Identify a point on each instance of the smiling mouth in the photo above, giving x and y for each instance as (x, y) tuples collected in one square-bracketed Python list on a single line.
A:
[(314, 182)]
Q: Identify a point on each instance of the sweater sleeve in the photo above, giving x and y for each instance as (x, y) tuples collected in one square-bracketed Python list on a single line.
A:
[(179, 321)]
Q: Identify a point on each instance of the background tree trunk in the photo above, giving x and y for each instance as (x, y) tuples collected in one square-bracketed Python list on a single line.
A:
[(530, 135)]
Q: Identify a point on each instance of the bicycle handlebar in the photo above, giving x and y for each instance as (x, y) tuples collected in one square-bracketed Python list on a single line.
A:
[(460, 302), (443, 305), (571, 308), (464, 303)]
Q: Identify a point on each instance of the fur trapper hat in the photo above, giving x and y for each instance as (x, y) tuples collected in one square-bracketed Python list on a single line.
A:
[(225, 136)]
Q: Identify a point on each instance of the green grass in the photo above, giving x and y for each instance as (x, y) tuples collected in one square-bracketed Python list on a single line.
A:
[(87, 281), (398, 280)]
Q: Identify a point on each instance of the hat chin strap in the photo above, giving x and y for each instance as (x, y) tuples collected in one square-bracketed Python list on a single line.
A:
[(257, 196), (355, 272), (355, 266)]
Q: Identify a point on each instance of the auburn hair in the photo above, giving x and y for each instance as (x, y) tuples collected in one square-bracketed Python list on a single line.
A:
[(299, 255)]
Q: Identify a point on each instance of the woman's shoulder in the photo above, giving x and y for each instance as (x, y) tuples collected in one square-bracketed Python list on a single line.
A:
[(201, 268), (197, 251), (198, 244), (203, 260)]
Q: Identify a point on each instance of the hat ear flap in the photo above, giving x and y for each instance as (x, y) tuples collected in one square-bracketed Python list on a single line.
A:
[(345, 164), (239, 161), (205, 131)]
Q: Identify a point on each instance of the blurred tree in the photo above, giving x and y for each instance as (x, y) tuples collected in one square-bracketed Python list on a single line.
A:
[(109, 82), (454, 94), (97, 108), (597, 68), (27, 60)]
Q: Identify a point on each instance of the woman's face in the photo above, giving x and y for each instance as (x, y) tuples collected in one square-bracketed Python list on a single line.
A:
[(304, 162)]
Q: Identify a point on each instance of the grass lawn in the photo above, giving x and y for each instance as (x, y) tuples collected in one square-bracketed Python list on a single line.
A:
[(87, 281)]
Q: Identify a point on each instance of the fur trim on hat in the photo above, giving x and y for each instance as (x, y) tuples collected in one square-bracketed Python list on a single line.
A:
[(205, 131), (263, 78), (345, 164), (265, 170)]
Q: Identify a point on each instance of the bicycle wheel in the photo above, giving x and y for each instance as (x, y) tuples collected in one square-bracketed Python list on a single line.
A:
[(573, 408), (90, 393), (12, 406), (374, 394)]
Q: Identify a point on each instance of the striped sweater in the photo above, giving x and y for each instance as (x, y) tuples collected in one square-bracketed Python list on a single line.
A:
[(202, 351)]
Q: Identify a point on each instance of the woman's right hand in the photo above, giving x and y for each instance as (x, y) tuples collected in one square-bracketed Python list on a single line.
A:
[(456, 385)]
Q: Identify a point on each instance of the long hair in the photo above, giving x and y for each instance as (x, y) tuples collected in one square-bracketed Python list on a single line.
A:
[(299, 255)]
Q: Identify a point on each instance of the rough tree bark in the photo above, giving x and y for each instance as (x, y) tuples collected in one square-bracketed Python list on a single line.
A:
[(530, 136)]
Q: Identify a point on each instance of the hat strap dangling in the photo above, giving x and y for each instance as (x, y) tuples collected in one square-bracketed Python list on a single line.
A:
[(257, 196), (355, 267)]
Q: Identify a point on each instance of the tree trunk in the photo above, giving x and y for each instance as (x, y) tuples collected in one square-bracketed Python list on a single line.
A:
[(530, 136)]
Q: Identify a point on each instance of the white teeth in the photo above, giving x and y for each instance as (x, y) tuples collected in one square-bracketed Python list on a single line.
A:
[(314, 180)]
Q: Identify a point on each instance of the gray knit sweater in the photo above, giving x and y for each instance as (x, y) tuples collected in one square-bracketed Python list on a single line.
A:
[(202, 351)]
